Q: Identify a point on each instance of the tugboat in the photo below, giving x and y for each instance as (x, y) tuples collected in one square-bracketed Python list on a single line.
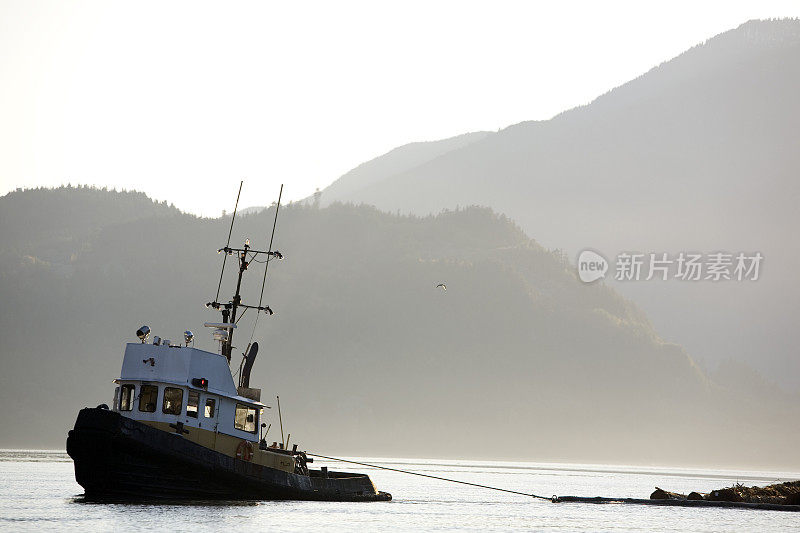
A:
[(179, 427)]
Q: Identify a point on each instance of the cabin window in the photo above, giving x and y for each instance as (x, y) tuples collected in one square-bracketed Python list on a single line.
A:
[(245, 418), (173, 401), (148, 396), (191, 405), (210, 404), (126, 398)]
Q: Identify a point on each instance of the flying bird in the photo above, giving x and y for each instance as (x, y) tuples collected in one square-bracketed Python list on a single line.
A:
[(443, 286)]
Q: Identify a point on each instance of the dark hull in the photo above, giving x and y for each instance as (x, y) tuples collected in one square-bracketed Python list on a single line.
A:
[(117, 458)]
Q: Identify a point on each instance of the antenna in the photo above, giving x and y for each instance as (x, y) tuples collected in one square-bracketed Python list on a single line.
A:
[(266, 266), (230, 232), (246, 356)]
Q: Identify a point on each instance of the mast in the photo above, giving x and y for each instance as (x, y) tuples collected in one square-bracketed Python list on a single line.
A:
[(229, 309), (237, 299)]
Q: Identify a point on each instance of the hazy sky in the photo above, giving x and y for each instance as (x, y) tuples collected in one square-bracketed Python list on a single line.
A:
[(184, 99)]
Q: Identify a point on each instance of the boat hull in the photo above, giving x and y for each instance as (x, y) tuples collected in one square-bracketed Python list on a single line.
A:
[(117, 458)]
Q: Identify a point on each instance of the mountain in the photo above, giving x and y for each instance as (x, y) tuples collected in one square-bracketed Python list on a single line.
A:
[(393, 162), (699, 154), (517, 358), (397, 161)]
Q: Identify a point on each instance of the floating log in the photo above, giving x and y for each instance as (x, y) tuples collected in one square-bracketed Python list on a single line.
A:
[(678, 503), (661, 494)]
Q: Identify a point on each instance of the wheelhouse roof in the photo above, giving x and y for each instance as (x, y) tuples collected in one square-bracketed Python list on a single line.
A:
[(179, 365)]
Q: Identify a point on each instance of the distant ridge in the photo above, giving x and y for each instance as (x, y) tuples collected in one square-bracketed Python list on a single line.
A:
[(67, 213), (394, 162)]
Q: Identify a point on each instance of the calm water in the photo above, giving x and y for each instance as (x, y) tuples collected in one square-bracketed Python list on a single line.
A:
[(39, 493)]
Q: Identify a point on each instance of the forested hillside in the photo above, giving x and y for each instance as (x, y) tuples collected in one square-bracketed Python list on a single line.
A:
[(515, 359)]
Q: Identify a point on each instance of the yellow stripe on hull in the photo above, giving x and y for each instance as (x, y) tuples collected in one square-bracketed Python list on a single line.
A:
[(226, 444)]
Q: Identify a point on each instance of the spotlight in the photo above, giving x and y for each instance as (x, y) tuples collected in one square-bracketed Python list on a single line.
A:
[(142, 333)]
